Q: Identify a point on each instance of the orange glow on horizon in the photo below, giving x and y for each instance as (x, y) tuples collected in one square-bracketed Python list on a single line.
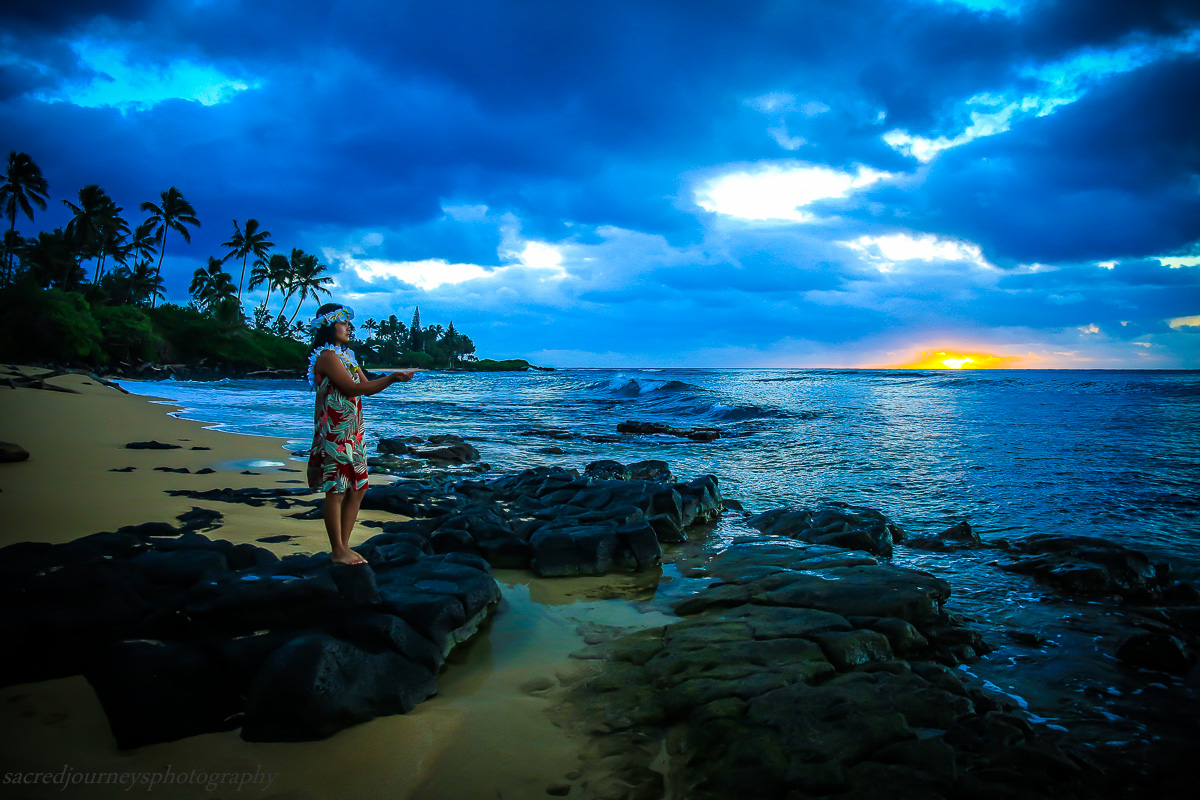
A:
[(954, 359)]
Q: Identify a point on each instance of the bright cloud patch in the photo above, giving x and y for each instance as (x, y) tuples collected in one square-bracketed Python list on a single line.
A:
[(779, 192), (431, 273), (427, 274), (1181, 261), (540, 255), (125, 84), (884, 252), (1185, 322)]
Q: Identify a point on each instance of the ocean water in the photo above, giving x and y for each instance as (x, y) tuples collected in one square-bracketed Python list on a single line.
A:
[(1110, 454)]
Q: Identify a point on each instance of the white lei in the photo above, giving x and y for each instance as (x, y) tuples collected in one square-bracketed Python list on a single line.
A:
[(342, 352)]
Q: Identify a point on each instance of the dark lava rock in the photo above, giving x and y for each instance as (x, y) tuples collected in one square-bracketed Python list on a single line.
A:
[(151, 445), (651, 428), (555, 521), (651, 470), (1087, 566), (770, 573), (441, 449), (412, 499), (957, 537), (316, 685), (282, 498), (459, 453), (608, 470), (779, 689), (201, 518), (155, 691), (11, 453), (1159, 651), (836, 524), (182, 635), (549, 433)]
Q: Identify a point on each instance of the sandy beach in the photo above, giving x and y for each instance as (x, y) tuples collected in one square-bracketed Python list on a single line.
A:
[(486, 733)]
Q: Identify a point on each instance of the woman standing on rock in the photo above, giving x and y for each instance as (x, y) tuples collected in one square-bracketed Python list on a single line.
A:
[(337, 463)]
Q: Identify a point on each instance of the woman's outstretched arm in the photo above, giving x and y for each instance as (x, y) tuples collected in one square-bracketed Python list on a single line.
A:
[(329, 364)]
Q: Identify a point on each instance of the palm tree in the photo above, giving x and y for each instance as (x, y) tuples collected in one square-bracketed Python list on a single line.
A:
[(111, 233), (308, 280), (295, 262), (370, 326), (22, 189), (13, 243), (49, 260), (143, 246), (241, 245), (174, 212), (96, 229), (276, 273), (144, 283), (212, 287)]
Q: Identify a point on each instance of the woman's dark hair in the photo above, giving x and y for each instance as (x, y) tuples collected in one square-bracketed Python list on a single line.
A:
[(324, 334)]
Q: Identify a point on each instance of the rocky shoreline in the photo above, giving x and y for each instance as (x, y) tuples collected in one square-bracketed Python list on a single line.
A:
[(807, 670), (803, 663)]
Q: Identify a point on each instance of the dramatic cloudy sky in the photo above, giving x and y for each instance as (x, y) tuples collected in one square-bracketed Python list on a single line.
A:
[(642, 182)]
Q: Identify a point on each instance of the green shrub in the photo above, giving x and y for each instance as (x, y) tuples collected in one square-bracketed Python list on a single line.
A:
[(185, 330), (411, 358), (491, 365), (63, 327), (129, 335), (192, 336)]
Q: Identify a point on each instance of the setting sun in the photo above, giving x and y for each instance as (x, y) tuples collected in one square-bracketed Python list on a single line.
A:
[(950, 359)]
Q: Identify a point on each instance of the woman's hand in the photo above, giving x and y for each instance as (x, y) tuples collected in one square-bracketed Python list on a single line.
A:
[(402, 376), (329, 364)]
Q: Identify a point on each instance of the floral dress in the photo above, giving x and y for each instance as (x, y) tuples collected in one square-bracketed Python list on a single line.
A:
[(337, 461)]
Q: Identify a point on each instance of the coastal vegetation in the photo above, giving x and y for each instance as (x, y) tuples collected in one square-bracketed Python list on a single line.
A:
[(91, 292)]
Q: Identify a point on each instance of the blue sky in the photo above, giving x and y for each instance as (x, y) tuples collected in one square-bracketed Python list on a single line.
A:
[(642, 183)]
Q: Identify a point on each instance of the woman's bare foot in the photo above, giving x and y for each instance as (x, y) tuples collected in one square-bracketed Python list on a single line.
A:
[(348, 557)]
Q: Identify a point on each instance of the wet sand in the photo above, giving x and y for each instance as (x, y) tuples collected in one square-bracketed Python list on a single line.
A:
[(486, 734)]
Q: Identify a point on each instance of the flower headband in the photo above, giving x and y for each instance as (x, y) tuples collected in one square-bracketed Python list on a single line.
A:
[(343, 314)]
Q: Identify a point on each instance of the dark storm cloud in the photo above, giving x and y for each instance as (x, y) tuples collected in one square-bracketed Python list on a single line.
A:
[(63, 15), (1055, 26), (568, 120), (1112, 175)]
